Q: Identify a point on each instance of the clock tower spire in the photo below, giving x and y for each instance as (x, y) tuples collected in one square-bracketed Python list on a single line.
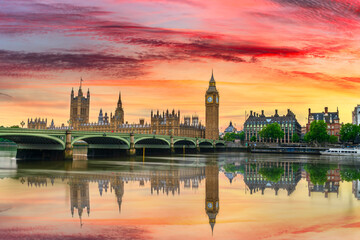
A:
[(212, 110)]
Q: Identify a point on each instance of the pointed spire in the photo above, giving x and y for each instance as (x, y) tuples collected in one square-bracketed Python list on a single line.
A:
[(212, 76), (119, 101), (212, 228)]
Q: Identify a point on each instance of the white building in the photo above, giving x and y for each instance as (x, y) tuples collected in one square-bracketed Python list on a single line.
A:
[(356, 115)]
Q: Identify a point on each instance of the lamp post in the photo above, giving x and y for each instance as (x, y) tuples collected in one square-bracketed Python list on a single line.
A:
[(69, 122), (22, 124)]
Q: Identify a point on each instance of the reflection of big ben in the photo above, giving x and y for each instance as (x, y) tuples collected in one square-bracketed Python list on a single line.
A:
[(212, 192), (212, 111)]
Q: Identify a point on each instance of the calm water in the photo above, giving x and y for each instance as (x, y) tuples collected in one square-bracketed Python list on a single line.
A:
[(212, 196)]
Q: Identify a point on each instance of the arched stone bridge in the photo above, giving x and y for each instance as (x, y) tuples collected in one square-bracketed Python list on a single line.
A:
[(63, 140)]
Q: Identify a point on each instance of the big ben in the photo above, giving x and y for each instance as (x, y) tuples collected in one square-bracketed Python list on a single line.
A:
[(212, 111)]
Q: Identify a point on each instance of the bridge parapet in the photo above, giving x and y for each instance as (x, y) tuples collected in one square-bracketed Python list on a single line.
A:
[(63, 140)]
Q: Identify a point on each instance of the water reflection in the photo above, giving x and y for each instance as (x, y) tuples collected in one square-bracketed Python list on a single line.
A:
[(87, 185)]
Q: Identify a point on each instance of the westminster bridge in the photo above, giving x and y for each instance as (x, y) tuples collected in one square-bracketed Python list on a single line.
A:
[(59, 143)]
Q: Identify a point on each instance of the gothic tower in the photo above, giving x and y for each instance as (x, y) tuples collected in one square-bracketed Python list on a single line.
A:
[(79, 107), (212, 192), (119, 112), (212, 111)]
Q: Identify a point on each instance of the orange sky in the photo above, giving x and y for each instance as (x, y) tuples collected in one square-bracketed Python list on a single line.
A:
[(272, 54)]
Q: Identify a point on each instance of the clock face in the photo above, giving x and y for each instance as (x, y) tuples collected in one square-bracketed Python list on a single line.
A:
[(217, 99), (209, 205), (209, 99)]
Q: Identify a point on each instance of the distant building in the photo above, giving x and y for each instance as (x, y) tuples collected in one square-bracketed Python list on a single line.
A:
[(330, 118), (37, 123), (165, 123), (255, 123), (230, 128), (79, 107), (303, 131), (356, 115)]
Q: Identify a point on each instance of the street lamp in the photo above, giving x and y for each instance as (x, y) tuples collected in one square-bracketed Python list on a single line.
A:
[(22, 124)]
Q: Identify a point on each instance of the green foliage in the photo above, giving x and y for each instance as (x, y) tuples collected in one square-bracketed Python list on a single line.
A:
[(272, 174), (272, 131), (253, 139), (295, 138), (333, 139), (295, 167), (348, 173), (230, 168), (317, 133), (15, 126), (318, 172), (349, 132), (253, 166), (4, 140), (233, 136)]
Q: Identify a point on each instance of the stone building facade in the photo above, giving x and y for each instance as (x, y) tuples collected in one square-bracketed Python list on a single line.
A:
[(37, 123), (331, 119), (165, 123), (356, 115), (256, 122), (212, 110), (79, 107)]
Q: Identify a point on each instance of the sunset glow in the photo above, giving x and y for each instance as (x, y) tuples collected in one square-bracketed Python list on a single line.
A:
[(266, 54)]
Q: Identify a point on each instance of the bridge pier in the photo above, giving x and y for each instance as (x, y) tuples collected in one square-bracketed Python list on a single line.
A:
[(197, 146), (132, 150), (172, 148), (68, 153), (214, 146)]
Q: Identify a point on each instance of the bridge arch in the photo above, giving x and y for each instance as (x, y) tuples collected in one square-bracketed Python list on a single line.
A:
[(153, 142), (206, 144), (35, 141), (184, 142), (103, 140)]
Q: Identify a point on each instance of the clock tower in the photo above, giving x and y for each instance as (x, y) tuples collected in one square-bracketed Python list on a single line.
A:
[(212, 111)]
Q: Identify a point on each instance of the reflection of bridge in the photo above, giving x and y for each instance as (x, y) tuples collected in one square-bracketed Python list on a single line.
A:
[(62, 141)]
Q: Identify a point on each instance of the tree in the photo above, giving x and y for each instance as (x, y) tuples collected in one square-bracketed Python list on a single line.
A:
[(295, 138), (272, 174), (15, 126), (242, 136), (253, 139), (349, 132), (272, 131), (333, 139), (318, 132), (349, 173), (232, 136)]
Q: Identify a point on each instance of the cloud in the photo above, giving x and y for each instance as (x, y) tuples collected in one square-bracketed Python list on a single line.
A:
[(163, 43), (17, 61), (328, 11), (5, 95)]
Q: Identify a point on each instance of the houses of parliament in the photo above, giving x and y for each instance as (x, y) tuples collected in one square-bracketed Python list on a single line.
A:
[(161, 123)]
